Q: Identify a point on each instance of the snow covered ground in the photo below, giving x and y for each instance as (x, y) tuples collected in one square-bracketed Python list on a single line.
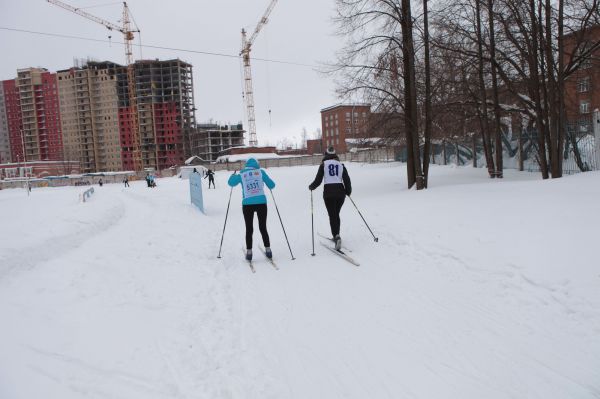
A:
[(476, 289)]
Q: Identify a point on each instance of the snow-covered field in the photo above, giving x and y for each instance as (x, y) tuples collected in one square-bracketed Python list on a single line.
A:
[(476, 289)]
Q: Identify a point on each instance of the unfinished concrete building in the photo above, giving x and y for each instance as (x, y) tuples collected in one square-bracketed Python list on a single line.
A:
[(209, 139), (33, 118), (165, 113), (89, 114), (4, 142)]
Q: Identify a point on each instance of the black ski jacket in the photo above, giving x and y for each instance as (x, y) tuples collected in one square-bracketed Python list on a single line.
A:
[(332, 190)]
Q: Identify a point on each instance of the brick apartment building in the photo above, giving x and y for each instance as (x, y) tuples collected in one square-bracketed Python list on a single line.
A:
[(32, 114), (344, 121), (84, 114), (4, 142), (89, 115), (582, 89)]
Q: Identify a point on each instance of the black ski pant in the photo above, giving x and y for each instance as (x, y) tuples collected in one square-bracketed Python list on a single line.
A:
[(211, 180), (334, 206), (261, 211)]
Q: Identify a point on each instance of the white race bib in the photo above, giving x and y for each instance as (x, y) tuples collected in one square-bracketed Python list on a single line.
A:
[(253, 183), (333, 171)]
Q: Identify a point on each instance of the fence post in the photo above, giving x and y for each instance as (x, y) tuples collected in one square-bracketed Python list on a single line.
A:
[(596, 127)]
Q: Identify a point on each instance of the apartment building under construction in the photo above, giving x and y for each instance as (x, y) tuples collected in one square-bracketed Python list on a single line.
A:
[(164, 99), (209, 139), (104, 130), (32, 116)]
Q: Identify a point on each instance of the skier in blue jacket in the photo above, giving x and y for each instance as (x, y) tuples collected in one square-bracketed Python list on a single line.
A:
[(253, 178)]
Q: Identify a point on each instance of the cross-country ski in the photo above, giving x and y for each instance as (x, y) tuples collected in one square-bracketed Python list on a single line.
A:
[(269, 258), (248, 261), (340, 253), (332, 240)]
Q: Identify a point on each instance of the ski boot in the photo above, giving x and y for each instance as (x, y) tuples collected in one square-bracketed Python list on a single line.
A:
[(338, 242), (248, 255), (268, 252)]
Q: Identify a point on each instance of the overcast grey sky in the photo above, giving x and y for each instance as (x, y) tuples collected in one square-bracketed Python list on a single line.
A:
[(298, 31)]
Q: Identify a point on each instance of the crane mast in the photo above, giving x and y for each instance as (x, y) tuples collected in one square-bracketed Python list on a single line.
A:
[(248, 91), (128, 36)]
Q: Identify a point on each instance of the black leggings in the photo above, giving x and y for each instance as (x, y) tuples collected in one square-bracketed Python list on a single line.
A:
[(211, 180), (261, 211), (334, 206)]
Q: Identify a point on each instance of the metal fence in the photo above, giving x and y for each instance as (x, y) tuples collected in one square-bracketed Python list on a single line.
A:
[(581, 149), (376, 155)]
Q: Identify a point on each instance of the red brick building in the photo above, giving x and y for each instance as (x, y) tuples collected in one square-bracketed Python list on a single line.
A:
[(344, 121), (33, 116), (314, 147), (37, 169), (582, 88)]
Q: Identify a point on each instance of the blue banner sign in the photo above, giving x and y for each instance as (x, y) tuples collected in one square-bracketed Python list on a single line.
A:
[(196, 190)]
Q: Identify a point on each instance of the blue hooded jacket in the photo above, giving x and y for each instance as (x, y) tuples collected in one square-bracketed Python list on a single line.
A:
[(235, 179)]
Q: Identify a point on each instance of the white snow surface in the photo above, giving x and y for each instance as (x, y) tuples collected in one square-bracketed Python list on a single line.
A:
[(477, 288)]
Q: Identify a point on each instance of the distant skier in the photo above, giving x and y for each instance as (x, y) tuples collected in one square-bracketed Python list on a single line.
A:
[(148, 179), (211, 178), (126, 181), (253, 179), (100, 182), (337, 186)]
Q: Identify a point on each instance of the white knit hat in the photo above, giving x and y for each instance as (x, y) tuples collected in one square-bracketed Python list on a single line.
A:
[(330, 150)]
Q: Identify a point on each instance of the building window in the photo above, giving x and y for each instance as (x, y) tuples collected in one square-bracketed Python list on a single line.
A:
[(583, 85), (584, 107), (347, 115)]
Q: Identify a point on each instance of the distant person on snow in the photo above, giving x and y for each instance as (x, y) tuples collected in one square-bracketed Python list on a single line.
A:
[(337, 186), (211, 178), (253, 178), (126, 182), (100, 182), (148, 180)]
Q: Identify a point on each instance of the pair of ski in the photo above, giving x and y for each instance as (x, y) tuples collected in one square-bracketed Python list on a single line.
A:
[(339, 252), (271, 261)]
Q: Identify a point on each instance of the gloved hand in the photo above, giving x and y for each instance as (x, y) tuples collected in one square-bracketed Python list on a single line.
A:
[(310, 187)]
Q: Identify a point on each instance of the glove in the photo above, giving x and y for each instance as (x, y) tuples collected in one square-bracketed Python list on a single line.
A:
[(310, 187)]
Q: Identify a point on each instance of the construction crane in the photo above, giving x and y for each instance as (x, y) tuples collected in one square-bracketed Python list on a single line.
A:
[(245, 53), (128, 36)]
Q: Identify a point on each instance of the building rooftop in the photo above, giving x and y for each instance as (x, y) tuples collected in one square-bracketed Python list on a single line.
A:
[(340, 105)]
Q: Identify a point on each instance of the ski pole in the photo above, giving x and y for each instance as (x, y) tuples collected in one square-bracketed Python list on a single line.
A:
[(366, 224), (225, 224), (281, 221), (312, 223)]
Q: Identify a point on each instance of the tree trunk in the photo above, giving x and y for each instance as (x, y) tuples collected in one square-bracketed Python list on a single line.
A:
[(474, 152), (520, 148), (410, 97), (553, 109), (562, 120), (497, 127), (428, 111), (534, 91), (487, 145)]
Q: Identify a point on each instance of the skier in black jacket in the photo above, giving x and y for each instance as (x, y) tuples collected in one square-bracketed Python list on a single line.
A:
[(211, 178), (337, 186)]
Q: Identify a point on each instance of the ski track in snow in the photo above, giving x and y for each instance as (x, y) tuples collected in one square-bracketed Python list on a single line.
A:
[(127, 299)]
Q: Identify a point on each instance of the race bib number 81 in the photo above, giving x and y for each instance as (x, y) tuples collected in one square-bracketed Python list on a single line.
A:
[(333, 172)]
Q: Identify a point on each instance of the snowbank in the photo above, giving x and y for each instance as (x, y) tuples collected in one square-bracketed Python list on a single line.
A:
[(477, 288)]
